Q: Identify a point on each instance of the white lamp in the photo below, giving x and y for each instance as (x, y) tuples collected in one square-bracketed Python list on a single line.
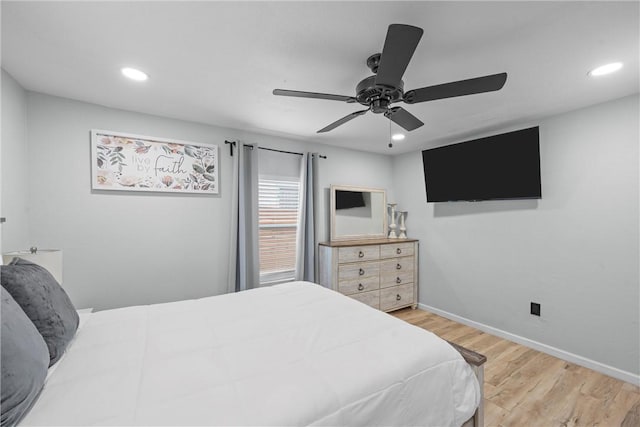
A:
[(50, 259)]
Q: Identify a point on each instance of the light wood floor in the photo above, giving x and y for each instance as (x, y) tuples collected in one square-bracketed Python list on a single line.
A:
[(524, 387)]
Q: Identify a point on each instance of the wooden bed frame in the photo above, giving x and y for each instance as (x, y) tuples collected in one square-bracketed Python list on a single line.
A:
[(476, 361)]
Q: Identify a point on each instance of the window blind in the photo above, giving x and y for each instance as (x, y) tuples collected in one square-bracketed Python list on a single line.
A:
[(278, 201)]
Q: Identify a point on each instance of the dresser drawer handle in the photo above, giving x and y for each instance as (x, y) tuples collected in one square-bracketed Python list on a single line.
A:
[(361, 272), (360, 287), (398, 251), (398, 266), (360, 254), (398, 280), (398, 297)]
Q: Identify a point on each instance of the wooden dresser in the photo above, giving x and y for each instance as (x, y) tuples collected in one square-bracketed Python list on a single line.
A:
[(382, 273)]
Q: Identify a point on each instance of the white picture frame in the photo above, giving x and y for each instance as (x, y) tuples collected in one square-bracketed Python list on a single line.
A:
[(128, 162)]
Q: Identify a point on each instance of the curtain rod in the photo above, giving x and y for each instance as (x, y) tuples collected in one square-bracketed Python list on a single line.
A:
[(233, 144)]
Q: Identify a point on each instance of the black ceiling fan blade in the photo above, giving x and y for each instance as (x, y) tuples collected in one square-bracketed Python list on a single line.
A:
[(342, 121), (316, 95), (403, 118), (402, 40), (460, 88)]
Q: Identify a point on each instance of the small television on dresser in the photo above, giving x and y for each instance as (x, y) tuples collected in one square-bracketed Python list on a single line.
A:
[(498, 167)]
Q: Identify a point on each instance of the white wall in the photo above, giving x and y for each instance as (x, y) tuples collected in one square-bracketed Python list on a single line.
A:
[(15, 168), (125, 248), (575, 251)]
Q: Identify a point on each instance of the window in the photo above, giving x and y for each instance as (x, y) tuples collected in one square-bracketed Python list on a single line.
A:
[(278, 201)]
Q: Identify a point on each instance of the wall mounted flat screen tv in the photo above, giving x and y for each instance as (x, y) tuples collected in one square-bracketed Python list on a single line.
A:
[(349, 199), (499, 167)]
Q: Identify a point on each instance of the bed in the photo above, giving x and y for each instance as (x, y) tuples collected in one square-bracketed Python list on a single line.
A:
[(290, 354)]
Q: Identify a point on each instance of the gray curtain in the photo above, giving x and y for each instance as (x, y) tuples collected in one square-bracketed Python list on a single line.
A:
[(244, 266), (306, 238)]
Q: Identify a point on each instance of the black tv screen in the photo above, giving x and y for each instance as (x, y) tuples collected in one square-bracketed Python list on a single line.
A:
[(498, 167), (349, 199)]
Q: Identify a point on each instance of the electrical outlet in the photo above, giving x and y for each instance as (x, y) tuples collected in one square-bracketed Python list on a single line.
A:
[(535, 309)]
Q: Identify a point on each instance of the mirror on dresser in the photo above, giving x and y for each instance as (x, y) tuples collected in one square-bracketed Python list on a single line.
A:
[(357, 213)]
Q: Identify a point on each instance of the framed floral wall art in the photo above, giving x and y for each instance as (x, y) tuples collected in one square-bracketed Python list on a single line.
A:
[(128, 162)]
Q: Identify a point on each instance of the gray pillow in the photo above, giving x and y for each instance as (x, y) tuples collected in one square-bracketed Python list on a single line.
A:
[(24, 361), (44, 302)]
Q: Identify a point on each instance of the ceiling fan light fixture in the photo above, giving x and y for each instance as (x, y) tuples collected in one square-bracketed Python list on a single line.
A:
[(397, 137), (134, 74), (606, 69)]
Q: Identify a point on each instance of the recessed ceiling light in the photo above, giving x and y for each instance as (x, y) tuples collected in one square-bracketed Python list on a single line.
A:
[(134, 74), (605, 69), (397, 137)]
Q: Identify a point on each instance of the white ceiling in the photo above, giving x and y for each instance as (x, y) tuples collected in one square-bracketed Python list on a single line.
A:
[(217, 62)]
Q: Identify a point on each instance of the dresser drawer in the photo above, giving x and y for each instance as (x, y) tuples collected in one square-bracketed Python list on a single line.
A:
[(365, 284), (358, 270), (358, 253), (396, 296), (396, 278), (371, 298), (396, 250), (396, 265)]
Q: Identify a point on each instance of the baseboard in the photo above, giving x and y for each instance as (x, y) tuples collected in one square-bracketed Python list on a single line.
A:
[(553, 351)]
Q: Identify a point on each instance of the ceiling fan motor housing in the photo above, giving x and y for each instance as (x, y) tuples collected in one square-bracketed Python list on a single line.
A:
[(378, 97)]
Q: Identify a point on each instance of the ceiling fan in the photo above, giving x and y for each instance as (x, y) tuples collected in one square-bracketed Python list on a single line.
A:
[(386, 87)]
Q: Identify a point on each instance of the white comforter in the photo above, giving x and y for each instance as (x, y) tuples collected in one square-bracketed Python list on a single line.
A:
[(292, 354)]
